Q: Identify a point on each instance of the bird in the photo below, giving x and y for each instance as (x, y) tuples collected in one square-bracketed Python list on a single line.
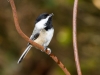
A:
[(42, 33)]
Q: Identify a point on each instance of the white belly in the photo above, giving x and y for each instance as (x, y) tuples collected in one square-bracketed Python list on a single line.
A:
[(45, 37)]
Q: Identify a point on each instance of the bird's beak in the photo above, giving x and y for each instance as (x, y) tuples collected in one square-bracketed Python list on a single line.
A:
[(51, 14)]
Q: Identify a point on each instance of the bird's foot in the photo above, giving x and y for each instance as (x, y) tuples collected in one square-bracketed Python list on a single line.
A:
[(46, 49), (49, 51)]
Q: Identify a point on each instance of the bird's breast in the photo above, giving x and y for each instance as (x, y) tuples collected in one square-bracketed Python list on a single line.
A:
[(42, 37)]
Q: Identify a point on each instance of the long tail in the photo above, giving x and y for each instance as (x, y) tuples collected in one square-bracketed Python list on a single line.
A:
[(24, 54)]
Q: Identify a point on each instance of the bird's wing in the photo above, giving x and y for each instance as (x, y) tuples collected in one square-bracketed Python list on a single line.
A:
[(35, 34)]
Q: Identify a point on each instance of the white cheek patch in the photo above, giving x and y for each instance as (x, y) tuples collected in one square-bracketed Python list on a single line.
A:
[(41, 23)]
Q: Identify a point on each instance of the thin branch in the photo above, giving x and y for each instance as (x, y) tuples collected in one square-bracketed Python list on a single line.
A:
[(33, 43), (75, 37)]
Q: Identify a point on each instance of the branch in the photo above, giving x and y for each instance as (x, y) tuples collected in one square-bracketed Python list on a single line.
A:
[(75, 38), (33, 43)]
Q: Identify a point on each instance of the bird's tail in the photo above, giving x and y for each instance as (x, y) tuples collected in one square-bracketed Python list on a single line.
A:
[(24, 54)]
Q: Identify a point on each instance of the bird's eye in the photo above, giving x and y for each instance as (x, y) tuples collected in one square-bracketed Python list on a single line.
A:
[(45, 16)]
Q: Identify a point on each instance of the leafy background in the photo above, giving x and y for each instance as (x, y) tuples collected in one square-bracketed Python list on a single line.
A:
[(38, 63)]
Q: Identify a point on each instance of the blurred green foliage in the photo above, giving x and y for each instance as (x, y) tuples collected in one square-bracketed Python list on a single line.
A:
[(38, 63)]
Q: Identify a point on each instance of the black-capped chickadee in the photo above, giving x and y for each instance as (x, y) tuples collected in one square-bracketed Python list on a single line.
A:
[(42, 33)]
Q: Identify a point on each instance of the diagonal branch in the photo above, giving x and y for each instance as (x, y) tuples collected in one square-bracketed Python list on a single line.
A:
[(33, 43), (75, 38)]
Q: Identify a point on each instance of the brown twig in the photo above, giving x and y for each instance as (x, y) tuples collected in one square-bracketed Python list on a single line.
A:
[(33, 43), (75, 38)]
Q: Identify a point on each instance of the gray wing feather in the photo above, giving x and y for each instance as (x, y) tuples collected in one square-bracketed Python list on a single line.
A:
[(35, 34)]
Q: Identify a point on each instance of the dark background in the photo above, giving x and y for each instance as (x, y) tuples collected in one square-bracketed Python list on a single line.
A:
[(38, 63)]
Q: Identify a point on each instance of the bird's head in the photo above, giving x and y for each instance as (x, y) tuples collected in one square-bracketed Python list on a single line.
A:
[(44, 20)]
